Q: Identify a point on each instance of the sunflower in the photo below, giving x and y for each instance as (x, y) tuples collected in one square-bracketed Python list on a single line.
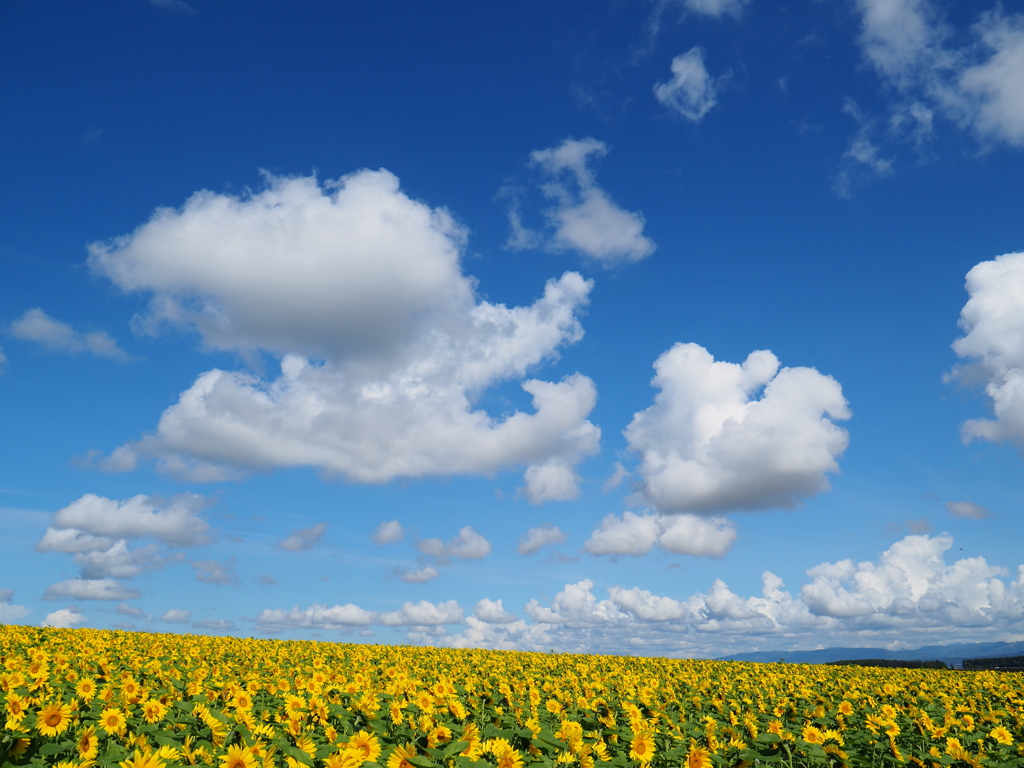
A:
[(1001, 735), (812, 735), (697, 756), (88, 743), (143, 760), (53, 719), (237, 756), (400, 755), (113, 721), (511, 758), (367, 746), (86, 688), (153, 710), (642, 748)]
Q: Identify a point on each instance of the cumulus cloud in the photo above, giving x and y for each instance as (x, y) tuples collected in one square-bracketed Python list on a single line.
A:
[(64, 618), (691, 93), (38, 327), (421, 614), (176, 616), (216, 571), (94, 522), (493, 612), (680, 534), (584, 218), (384, 347), (554, 480), (993, 346), (418, 575), (388, 533), (467, 545), (9, 612), (302, 539), (536, 538), (716, 8), (967, 509), (317, 616), (909, 590), (909, 43), (90, 589), (726, 436)]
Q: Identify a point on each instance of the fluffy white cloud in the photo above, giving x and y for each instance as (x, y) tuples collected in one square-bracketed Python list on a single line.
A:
[(493, 612), (89, 589), (967, 509), (216, 571), (388, 533), (64, 618), (423, 613), (9, 612), (218, 625), (691, 91), (993, 344), (554, 480), (538, 537), (681, 534), (418, 575), (304, 538), (467, 545), (716, 8), (37, 326), (584, 217), (315, 617), (94, 522), (383, 346), (176, 616), (709, 443), (909, 44), (910, 590), (118, 562)]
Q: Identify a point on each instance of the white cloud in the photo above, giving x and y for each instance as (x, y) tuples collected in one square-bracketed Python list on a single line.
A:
[(910, 591), (64, 618), (123, 609), (302, 539), (218, 625), (493, 612), (423, 613), (709, 443), (467, 545), (584, 217), (993, 342), (716, 8), (37, 326), (215, 571), (176, 616), (978, 85), (118, 562), (535, 538), (967, 509), (691, 91), (315, 617), (554, 480), (418, 575), (680, 534), (384, 348), (388, 533), (9, 612), (90, 589), (94, 521)]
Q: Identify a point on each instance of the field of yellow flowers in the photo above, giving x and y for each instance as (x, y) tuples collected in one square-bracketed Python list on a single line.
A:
[(79, 697)]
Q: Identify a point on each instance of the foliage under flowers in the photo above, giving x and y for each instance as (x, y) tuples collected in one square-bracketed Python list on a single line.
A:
[(125, 700)]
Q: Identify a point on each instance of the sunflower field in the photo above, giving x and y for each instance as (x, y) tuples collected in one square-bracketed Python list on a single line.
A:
[(79, 697)]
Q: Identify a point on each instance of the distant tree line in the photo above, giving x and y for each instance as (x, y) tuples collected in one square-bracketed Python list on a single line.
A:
[(892, 663), (1005, 663)]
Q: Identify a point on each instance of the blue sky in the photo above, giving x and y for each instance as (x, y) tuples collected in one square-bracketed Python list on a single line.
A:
[(681, 327)]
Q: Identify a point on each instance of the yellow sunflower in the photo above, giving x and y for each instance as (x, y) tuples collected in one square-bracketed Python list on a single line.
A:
[(697, 757), (642, 748), (113, 721), (88, 743), (367, 746), (400, 755), (237, 756), (53, 719), (143, 760), (1001, 735)]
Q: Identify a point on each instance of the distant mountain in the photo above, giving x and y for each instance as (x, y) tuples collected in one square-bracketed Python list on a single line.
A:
[(953, 654)]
